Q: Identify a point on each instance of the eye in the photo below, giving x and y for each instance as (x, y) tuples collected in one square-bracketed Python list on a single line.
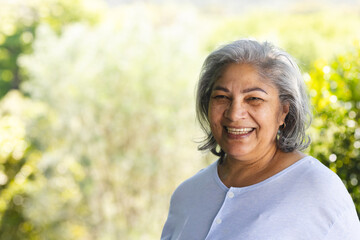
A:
[(220, 97), (254, 99)]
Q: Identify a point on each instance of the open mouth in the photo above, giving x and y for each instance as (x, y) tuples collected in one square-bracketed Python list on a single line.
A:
[(239, 131)]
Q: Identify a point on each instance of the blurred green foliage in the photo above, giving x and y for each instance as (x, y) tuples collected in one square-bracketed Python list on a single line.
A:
[(18, 160), (335, 131), (101, 126), (19, 21), (304, 33)]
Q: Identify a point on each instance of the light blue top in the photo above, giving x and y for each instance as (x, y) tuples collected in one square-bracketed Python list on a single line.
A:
[(304, 201)]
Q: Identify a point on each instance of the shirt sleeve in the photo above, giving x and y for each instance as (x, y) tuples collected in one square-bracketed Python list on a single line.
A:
[(346, 227)]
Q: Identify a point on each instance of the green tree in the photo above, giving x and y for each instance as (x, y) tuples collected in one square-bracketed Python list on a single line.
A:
[(19, 20), (304, 33), (21, 117), (122, 99), (19, 155), (335, 131)]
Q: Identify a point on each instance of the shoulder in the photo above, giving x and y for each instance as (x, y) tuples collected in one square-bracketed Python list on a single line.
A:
[(319, 185), (320, 178), (193, 205), (195, 184), (316, 197)]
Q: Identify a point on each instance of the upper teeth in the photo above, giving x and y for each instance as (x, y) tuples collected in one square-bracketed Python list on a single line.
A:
[(239, 130)]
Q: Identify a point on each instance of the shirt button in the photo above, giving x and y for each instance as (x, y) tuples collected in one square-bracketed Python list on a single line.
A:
[(231, 194), (218, 220)]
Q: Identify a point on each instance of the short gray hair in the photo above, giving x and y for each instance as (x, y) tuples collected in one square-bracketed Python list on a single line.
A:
[(273, 64)]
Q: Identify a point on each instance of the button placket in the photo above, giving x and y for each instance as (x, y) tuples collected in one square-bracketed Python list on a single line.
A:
[(228, 202), (218, 220)]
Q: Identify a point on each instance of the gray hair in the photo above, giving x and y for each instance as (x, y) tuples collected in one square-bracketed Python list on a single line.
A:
[(273, 64)]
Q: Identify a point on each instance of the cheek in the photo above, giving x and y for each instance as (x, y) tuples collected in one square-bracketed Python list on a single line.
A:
[(268, 117), (213, 112), (214, 116), (213, 119)]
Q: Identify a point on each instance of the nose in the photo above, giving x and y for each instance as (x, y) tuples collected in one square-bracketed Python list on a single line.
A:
[(235, 111)]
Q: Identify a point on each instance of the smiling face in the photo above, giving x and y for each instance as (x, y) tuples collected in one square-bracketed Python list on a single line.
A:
[(245, 113)]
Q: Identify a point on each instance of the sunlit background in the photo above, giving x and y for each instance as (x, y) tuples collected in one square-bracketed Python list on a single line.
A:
[(97, 119)]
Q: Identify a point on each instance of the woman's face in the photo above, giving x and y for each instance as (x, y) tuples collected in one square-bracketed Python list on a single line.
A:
[(245, 113)]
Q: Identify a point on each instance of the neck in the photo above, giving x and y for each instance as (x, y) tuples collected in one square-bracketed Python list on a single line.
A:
[(239, 173)]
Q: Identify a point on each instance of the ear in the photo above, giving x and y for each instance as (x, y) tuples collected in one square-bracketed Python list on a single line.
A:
[(284, 112)]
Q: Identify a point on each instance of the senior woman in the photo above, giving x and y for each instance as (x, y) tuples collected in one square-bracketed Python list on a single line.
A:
[(252, 104)]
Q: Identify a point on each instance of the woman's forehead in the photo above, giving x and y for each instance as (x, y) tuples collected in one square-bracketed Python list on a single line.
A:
[(244, 76)]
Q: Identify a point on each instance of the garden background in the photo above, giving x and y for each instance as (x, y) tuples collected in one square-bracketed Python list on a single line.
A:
[(97, 119)]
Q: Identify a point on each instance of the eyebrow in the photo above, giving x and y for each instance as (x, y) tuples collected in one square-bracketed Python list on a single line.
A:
[(254, 89), (247, 90), (221, 89)]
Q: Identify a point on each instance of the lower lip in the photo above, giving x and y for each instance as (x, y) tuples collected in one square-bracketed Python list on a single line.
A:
[(237, 136)]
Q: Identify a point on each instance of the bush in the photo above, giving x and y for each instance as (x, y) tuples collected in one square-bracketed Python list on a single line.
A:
[(335, 131), (121, 94)]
